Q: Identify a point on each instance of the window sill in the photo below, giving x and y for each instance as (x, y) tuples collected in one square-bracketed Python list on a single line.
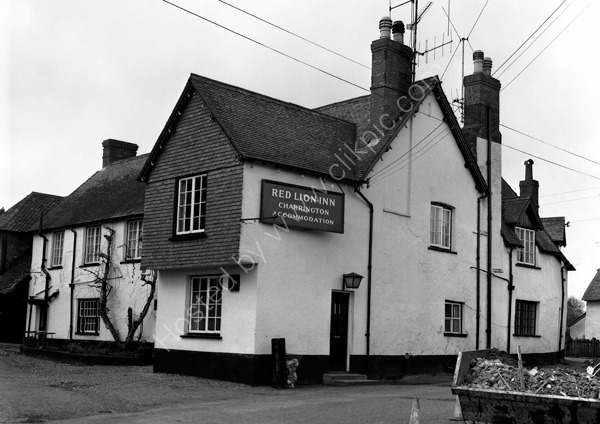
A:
[(201, 336), (186, 237), (54, 267), (89, 265), (456, 334), (527, 335), (87, 334), (131, 261), (527, 266), (441, 249)]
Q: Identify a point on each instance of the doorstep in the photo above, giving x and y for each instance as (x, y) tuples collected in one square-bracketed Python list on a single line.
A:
[(347, 379)]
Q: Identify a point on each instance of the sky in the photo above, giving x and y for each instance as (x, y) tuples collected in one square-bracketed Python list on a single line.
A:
[(76, 72)]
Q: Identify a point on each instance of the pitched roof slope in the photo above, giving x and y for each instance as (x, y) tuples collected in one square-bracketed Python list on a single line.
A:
[(26, 213), (16, 274), (110, 193), (593, 291), (555, 227), (271, 130)]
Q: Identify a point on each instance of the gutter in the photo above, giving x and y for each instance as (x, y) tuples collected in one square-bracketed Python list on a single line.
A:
[(72, 285), (369, 268)]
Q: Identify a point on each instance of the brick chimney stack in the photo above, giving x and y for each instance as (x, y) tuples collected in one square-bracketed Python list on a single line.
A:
[(482, 92), (391, 71), (530, 187), (114, 150)]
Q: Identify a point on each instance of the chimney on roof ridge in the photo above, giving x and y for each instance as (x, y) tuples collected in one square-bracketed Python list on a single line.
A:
[(529, 187), (114, 150), (481, 102), (391, 71)]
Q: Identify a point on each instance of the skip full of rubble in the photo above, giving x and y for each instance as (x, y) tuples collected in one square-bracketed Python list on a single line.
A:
[(501, 372)]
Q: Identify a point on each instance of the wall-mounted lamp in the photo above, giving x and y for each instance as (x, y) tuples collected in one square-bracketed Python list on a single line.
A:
[(351, 281)]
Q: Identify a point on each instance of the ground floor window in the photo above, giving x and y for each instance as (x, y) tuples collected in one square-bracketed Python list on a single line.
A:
[(88, 319), (453, 317), (525, 318), (205, 304)]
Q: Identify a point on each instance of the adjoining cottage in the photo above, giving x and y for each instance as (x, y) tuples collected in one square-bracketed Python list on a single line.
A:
[(256, 209), (94, 233), (16, 241)]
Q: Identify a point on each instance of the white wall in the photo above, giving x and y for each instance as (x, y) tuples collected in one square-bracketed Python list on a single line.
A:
[(592, 320), (123, 277)]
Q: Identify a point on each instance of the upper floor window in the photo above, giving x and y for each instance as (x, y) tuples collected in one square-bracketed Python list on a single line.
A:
[(526, 254), (93, 237), (191, 205), (133, 241), (58, 240), (441, 226), (525, 318)]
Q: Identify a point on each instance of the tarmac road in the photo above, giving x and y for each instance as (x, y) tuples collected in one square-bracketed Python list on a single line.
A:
[(35, 390)]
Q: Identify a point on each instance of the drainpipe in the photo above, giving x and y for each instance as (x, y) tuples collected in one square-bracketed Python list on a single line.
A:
[(562, 307), (489, 228), (44, 312), (370, 265), (510, 288), (72, 285), (478, 267)]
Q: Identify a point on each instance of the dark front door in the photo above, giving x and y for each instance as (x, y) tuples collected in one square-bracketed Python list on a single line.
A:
[(338, 342)]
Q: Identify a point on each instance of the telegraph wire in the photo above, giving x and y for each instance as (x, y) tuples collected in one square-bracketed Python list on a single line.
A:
[(549, 144), (549, 161), (266, 46), (571, 200), (295, 35), (536, 38), (572, 191), (528, 38), (548, 45)]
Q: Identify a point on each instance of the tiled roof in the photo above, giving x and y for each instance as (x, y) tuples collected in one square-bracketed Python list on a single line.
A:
[(513, 209), (26, 213), (16, 274), (593, 291), (545, 243), (555, 227), (110, 193), (576, 320), (509, 236), (507, 191), (271, 130)]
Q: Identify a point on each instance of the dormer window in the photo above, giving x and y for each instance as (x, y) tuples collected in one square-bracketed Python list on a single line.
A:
[(526, 254)]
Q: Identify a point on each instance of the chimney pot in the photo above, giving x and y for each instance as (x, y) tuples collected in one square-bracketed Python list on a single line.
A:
[(398, 31), (477, 61), (487, 66), (385, 27), (529, 187)]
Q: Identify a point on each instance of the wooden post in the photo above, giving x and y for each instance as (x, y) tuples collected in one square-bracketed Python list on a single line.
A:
[(278, 361), (521, 377)]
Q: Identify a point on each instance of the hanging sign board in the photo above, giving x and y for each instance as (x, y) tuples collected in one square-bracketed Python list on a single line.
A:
[(301, 207)]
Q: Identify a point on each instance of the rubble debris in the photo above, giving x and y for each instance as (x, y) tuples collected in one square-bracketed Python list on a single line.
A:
[(500, 372), (292, 376)]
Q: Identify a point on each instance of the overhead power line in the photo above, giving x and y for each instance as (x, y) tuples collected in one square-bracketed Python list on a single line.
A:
[(551, 145), (265, 46), (548, 45), (293, 34), (528, 38)]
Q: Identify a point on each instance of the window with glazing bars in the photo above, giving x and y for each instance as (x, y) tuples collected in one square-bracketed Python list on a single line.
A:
[(525, 317), (58, 239), (191, 205), (133, 244), (526, 254), (441, 226), (205, 304), (93, 238), (88, 320), (453, 317)]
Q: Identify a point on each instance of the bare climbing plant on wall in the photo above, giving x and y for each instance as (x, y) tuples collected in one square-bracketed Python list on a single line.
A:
[(101, 282)]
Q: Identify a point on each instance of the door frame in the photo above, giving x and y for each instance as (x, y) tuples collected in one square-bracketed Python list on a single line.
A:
[(343, 295)]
